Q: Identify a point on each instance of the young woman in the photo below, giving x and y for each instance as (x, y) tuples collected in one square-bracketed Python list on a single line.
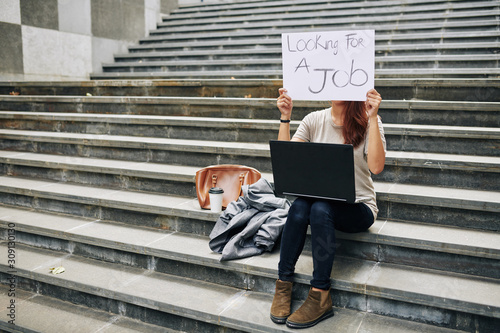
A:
[(346, 122)]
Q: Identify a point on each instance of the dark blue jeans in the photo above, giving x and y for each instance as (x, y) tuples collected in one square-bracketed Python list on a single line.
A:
[(324, 217)]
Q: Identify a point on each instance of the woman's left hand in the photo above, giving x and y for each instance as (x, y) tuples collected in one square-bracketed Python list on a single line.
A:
[(373, 100)]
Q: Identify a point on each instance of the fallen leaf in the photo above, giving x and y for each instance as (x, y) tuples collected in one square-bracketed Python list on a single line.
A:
[(57, 270)]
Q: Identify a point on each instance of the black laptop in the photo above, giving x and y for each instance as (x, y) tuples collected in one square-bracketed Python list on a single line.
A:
[(319, 170)]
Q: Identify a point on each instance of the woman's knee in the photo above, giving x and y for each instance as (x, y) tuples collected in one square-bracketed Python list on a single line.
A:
[(321, 211), (300, 210)]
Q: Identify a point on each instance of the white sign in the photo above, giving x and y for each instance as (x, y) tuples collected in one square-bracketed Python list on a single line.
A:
[(332, 65)]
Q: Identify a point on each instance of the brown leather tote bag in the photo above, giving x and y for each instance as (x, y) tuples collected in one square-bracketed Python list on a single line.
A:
[(229, 177)]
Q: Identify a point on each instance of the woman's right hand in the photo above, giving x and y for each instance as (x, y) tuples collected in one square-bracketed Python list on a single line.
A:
[(284, 104)]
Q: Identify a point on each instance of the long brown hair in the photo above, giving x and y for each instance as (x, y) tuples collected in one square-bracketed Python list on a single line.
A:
[(355, 122)]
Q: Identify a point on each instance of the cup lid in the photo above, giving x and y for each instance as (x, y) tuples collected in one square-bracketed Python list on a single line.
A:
[(216, 190)]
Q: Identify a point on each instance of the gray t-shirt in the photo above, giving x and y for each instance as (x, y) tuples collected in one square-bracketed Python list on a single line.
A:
[(318, 126)]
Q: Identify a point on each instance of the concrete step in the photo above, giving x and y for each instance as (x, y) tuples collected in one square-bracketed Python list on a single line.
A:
[(470, 252), (327, 21), (477, 90), (36, 313), (459, 72), (242, 130), (382, 40), (470, 113), (297, 10), (243, 27), (274, 51), (199, 304), (400, 137), (403, 167), (275, 63), (477, 26), (453, 171), (411, 203), (416, 138), (262, 8)]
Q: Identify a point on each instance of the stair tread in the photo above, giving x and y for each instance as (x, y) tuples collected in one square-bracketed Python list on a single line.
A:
[(80, 319), (37, 312), (216, 303)]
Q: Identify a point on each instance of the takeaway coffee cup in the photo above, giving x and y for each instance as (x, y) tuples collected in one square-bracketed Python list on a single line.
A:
[(215, 194)]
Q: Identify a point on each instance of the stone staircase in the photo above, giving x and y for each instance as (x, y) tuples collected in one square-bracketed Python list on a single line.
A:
[(103, 184), (413, 38)]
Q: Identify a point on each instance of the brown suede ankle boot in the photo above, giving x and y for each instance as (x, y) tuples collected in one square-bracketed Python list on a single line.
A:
[(280, 310), (318, 306)]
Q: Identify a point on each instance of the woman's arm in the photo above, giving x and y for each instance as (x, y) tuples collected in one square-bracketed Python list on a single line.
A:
[(285, 105), (376, 153)]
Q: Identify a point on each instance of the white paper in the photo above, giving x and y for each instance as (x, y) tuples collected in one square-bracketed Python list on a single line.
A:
[(330, 65)]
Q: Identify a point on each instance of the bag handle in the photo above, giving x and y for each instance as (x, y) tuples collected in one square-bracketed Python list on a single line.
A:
[(242, 178), (214, 180)]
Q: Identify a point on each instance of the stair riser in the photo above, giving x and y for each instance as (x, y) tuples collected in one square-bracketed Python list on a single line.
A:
[(443, 145), (486, 181), (131, 217), (343, 296), (435, 143), (267, 110), (117, 181), (441, 117), (472, 91), (101, 302), (453, 217), (276, 65)]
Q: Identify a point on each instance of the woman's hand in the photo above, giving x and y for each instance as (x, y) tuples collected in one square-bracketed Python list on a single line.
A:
[(284, 104), (373, 100)]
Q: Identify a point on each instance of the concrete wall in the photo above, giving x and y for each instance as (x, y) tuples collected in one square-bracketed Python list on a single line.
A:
[(69, 39)]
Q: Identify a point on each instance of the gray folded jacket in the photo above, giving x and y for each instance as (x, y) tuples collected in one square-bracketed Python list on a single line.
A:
[(250, 225)]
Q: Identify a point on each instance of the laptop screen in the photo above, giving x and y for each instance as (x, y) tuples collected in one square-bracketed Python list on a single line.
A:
[(319, 170)]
